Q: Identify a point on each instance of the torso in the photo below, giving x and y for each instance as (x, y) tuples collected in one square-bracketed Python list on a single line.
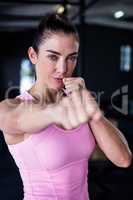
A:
[(53, 163)]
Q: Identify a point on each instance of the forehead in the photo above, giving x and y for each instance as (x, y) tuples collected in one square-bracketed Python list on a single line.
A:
[(61, 42)]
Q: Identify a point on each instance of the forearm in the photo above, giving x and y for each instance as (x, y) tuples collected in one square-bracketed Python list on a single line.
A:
[(28, 119), (112, 142), (36, 121)]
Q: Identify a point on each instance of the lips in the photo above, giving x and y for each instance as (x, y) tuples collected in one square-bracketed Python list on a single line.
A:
[(58, 80), (58, 77)]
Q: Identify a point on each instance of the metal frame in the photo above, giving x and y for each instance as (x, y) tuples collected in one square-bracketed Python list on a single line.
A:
[(39, 2)]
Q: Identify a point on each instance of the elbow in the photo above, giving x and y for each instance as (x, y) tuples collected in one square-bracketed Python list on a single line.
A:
[(126, 161)]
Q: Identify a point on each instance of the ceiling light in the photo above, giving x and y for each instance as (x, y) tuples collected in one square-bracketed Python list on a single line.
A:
[(60, 9), (119, 14)]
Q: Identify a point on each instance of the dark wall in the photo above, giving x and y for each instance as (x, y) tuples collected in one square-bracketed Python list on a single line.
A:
[(13, 49), (101, 70), (102, 58)]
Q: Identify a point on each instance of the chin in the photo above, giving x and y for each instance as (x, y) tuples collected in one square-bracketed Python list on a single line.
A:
[(55, 87)]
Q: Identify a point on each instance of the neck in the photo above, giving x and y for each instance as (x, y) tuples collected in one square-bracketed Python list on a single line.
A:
[(45, 94)]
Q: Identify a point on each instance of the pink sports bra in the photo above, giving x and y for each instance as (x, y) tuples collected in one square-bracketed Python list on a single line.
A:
[(53, 163)]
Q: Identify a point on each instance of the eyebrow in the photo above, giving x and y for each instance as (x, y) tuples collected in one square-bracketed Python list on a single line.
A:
[(57, 53)]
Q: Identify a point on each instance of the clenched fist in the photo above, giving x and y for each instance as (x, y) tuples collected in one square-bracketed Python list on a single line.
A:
[(73, 83), (79, 107)]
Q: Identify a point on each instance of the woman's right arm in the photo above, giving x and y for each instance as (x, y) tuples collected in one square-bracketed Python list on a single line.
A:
[(17, 117)]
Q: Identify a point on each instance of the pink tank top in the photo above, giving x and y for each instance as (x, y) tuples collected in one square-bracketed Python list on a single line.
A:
[(53, 163)]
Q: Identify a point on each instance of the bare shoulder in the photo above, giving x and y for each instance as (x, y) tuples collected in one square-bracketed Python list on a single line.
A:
[(6, 106), (13, 139)]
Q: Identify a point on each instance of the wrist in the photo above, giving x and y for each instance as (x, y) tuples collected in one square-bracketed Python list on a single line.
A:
[(97, 117)]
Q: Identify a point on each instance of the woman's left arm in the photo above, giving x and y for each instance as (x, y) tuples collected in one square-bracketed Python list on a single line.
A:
[(111, 141)]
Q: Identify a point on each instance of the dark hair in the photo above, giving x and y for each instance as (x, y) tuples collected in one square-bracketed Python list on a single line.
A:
[(53, 23)]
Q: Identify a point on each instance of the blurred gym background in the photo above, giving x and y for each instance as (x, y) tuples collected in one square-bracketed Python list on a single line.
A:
[(105, 62)]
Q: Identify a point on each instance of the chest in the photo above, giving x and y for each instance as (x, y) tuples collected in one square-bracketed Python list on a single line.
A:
[(53, 148), (58, 149)]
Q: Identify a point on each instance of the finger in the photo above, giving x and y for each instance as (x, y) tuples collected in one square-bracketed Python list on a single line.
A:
[(79, 107), (72, 118), (79, 79), (68, 79), (69, 91), (72, 80), (92, 108), (80, 83), (88, 101), (62, 110), (72, 86)]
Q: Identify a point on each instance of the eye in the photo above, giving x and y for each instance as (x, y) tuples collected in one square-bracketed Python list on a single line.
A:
[(53, 57), (72, 58)]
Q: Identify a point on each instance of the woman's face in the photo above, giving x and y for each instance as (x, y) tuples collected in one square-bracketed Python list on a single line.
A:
[(56, 59)]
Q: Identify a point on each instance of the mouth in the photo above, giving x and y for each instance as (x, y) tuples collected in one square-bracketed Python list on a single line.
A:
[(59, 80)]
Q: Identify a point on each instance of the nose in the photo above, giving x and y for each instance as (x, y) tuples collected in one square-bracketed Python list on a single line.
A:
[(61, 68)]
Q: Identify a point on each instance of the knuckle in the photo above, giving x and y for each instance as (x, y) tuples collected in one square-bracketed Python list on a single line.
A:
[(76, 94), (65, 100), (83, 119), (81, 79)]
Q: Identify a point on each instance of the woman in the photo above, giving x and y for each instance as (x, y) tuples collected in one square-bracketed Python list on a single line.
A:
[(48, 128)]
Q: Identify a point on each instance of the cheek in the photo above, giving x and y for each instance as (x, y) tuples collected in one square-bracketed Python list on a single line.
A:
[(71, 67), (46, 67), (70, 72)]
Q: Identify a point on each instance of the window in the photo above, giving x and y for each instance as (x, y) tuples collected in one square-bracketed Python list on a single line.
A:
[(125, 58), (27, 77)]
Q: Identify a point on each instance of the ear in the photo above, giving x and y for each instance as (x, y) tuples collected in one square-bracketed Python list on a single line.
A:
[(32, 55)]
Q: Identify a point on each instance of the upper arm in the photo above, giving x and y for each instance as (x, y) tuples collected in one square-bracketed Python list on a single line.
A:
[(7, 106)]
